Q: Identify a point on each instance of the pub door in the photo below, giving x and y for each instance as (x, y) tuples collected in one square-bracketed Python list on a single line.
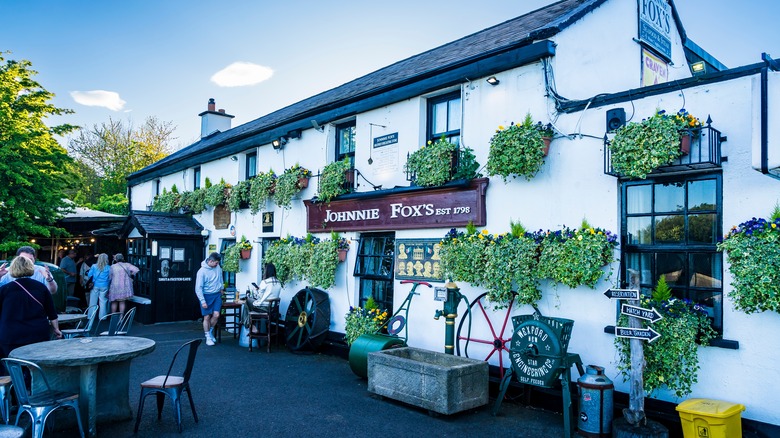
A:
[(176, 266)]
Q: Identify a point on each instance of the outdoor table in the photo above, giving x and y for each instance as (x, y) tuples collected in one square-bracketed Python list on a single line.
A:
[(97, 368), (70, 318)]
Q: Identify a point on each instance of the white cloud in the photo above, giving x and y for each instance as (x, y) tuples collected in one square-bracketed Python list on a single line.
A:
[(106, 99), (239, 74)]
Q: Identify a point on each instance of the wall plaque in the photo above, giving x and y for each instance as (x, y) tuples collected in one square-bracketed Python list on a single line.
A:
[(437, 207), (418, 259), (268, 222), (221, 217)]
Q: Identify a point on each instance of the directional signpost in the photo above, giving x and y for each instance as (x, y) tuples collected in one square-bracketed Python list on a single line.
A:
[(622, 294), (651, 315), (647, 334)]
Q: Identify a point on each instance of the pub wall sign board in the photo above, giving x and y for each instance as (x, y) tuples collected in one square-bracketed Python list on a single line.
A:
[(418, 259), (438, 207)]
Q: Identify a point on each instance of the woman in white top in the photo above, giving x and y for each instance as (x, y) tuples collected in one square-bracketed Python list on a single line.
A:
[(257, 300)]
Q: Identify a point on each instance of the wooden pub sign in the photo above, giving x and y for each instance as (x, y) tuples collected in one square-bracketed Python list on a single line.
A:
[(438, 207)]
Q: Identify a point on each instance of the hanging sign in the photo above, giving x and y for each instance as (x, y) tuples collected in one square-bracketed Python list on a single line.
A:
[(654, 69), (651, 315), (418, 259), (622, 294), (655, 26), (385, 140)]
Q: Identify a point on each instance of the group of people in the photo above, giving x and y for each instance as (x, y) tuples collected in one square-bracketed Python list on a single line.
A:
[(109, 283), (208, 288)]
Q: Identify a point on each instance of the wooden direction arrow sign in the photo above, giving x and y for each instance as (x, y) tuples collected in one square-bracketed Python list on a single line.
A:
[(622, 294), (651, 315), (647, 334)]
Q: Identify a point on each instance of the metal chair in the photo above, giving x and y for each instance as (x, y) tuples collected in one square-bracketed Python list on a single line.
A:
[(271, 320), (172, 386), (126, 323), (41, 404), (111, 321), (84, 327), (5, 398)]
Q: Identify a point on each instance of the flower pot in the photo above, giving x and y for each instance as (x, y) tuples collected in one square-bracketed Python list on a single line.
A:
[(342, 255), (246, 253), (685, 143), (303, 182), (546, 148)]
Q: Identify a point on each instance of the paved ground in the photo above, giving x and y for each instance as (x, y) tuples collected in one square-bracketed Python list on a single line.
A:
[(281, 394)]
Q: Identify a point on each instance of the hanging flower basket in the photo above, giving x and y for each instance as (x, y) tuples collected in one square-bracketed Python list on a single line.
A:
[(303, 182), (546, 147), (685, 143), (342, 255), (246, 253)]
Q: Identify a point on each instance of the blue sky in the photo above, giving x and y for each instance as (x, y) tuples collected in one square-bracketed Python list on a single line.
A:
[(138, 58)]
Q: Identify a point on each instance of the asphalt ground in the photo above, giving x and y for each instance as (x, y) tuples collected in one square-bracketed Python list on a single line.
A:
[(285, 394)]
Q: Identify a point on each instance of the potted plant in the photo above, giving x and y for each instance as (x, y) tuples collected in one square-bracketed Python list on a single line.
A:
[(516, 151), (753, 253), (672, 360), (239, 196), (323, 261), (431, 165), (194, 201), (510, 268), (689, 127), (333, 179), (463, 255), (246, 248), (546, 131), (261, 190), (216, 194), (342, 245), (230, 257), (289, 184), (640, 148), (365, 320), (468, 165), (575, 257)]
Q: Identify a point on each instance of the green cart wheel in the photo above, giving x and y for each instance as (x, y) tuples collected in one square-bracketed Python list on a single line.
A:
[(307, 320)]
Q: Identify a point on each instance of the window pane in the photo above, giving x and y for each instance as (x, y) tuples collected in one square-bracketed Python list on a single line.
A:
[(639, 199), (669, 197), (701, 195), (706, 270), (672, 267), (454, 116), (701, 228), (439, 118), (639, 230), (669, 229), (251, 165), (640, 263), (346, 138)]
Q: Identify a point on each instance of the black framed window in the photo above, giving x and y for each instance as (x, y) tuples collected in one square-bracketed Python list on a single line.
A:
[(196, 178), (374, 266), (229, 278), (444, 116), (670, 228), (157, 184), (251, 165), (345, 141)]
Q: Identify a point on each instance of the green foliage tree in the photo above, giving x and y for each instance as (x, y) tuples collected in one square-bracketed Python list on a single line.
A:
[(115, 149), (36, 170)]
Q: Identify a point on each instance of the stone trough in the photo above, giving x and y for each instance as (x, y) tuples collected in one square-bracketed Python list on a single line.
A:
[(441, 383)]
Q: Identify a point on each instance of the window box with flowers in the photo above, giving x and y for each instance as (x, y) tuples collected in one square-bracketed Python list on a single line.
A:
[(289, 184), (193, 202), (753, 253), (333, 179), (217, 194), (239, 196), (261, 190), (517, 150), (440, 162), (307, 258)]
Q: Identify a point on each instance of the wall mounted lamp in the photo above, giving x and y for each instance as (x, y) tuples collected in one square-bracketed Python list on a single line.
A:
[(698, 68), (234, 158), (278, 143), (295, 133), (493, 81)]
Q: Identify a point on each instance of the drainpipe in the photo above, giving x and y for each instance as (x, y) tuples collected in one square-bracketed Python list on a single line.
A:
[(775, 66)]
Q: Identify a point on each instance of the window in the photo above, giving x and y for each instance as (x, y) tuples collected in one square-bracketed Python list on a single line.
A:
[(251, 165), (157, 187), (196, 178), (670, 228), (374, 266), (229, 278), (444, 117), (345, 141)]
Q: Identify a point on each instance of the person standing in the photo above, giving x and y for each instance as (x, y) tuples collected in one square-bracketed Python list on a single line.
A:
[(100, 272), (26, 309), (208, 288), (68, 266), (121, 287), (42, 273)]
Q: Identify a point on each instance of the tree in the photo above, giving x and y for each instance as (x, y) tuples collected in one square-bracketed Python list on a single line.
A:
[(116, 149), (35, 170)]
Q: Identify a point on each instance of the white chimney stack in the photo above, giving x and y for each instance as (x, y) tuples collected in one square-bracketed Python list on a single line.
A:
[(212, 121)]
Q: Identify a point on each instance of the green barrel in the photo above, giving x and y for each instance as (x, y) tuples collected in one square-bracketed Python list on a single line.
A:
[(358, 353)]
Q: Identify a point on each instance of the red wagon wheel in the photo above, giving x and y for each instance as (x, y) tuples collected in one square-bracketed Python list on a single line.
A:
[(490, 334)]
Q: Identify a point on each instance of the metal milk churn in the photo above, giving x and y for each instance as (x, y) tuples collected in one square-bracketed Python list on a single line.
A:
[(596, 403)]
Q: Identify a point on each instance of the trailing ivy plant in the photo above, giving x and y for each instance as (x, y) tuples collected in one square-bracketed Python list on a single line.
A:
[(672, 360), (575, 257), (333, 179), (432, 164), (167, 202), (640, 148), (230, 258), (468, 165), (262, 189), (194, 201), (323, 263), (516, 151), (307, 258), (216, 194), (239, 195), (753, 254), (510, 268), (463, 255), (287, 187)]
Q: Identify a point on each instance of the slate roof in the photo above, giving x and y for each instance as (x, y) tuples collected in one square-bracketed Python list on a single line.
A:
[(155, 224), (517, 32)]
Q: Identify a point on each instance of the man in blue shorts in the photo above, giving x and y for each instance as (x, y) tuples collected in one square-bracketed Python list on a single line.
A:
[(208, 288)]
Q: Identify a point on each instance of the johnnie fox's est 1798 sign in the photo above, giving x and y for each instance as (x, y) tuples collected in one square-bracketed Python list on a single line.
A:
[(439, 207)]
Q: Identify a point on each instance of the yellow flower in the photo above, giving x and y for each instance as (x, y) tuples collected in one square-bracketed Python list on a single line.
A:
[(579, 237), (501, 127), (774, 225), (484, 232), (481, 236), (592, 231)]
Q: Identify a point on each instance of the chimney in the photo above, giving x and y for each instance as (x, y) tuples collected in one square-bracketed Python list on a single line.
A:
[(212, 121)]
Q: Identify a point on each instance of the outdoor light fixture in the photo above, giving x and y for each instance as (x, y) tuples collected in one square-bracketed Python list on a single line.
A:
[(493, 81), (234, 158), (278, 143), (295, 133), (698, 68)]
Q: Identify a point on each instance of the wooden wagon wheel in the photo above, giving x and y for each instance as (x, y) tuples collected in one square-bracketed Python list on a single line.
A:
[(489, 335)]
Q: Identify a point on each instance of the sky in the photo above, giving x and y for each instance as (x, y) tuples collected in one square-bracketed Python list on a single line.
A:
[(133, 59)]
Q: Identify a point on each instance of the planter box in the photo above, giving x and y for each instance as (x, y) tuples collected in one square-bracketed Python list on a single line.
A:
[(438, 382)]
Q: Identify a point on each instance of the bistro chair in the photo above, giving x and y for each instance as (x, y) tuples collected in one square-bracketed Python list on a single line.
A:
[(267, 324), (125, 323), (5, 398), (41, 404), (110, 322), (84, 327), (172, 386)]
